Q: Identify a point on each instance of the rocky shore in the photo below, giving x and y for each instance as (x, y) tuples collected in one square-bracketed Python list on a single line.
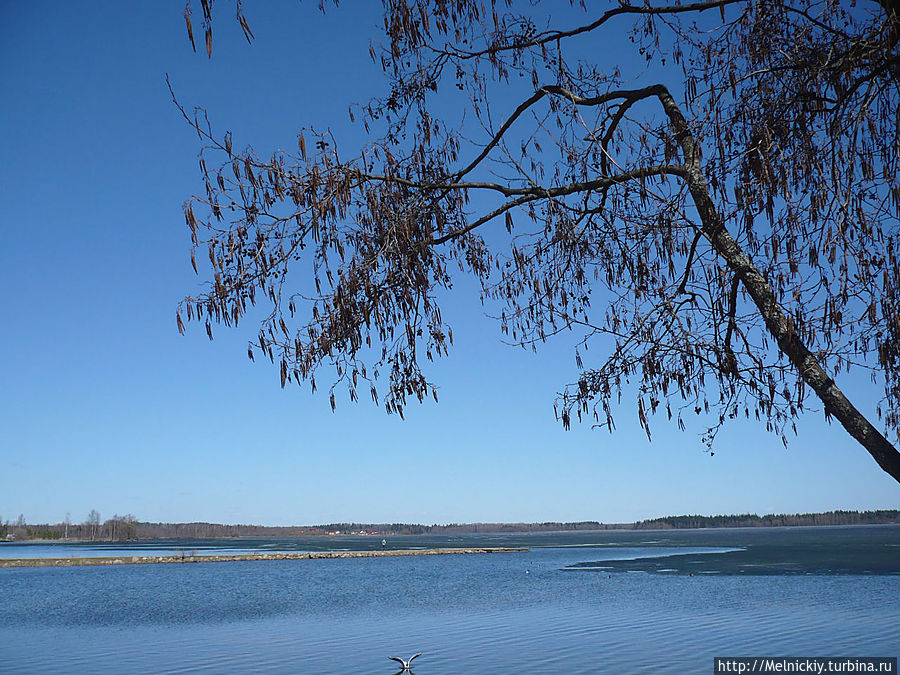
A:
[(225, 557)]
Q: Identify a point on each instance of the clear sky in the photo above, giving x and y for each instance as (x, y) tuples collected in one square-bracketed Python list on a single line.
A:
[(104, 405)]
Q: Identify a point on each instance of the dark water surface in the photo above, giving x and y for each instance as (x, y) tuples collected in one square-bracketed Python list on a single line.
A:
[(606, 602)]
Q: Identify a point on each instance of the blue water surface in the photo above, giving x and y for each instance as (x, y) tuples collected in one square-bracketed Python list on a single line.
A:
[(605, 602)]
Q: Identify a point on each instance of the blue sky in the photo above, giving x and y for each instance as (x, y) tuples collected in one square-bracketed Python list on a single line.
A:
[(104, 405)]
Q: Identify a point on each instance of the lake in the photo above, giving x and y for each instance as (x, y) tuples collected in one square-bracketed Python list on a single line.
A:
[(579, 602)]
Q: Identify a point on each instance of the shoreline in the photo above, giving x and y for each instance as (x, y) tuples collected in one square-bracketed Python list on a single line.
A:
[(239, 557)]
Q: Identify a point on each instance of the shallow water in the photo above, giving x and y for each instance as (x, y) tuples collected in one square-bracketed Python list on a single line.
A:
[(550, 610)]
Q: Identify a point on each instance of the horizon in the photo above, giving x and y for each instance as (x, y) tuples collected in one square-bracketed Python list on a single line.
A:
[(488, 522), (106, 406)]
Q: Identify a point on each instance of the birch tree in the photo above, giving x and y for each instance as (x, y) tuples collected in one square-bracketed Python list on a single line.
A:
[(720, 228)]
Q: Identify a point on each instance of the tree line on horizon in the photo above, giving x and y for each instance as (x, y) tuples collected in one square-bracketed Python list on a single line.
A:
[(124, 528), (117, 528), (877, 517)]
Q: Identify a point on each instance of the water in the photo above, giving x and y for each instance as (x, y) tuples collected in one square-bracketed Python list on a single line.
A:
[(608, 602)]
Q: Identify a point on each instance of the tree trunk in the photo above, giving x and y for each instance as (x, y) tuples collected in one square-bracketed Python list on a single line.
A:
[(779, 326)]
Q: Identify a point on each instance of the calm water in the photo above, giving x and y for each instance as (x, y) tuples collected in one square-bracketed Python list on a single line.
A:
[(615, 602)]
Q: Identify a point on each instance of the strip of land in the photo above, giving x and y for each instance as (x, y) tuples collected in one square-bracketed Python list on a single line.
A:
[(235, 557), (128, 528)]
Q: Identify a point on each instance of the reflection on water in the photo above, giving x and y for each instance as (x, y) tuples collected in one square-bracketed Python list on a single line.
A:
[(501, 613)]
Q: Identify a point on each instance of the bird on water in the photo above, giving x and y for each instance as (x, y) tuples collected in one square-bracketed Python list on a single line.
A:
[(406, 664)]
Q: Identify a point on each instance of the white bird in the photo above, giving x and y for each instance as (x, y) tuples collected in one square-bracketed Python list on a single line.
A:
[(405, 664)]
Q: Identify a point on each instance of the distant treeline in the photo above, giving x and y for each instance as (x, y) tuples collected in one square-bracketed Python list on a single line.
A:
[(128, 527), (468, 528), (213, 530), (206, 530), (881, 516), (117, 528)]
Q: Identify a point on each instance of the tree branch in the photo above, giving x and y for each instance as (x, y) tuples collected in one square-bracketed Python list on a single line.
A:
[(777, 323), (554, 35), (531, 194)]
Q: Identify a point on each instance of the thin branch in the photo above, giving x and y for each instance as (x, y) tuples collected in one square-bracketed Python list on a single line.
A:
[(554, 35), (531, 194)]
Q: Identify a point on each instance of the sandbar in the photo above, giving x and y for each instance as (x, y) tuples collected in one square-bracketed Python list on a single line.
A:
[(236, 557)]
